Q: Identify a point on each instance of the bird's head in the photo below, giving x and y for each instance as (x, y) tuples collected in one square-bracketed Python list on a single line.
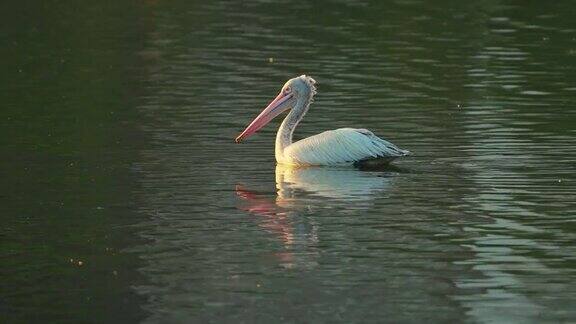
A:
[(302, 86), (294, 93)]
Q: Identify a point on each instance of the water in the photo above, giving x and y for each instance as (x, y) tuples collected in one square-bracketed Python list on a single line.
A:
[(125, 199)]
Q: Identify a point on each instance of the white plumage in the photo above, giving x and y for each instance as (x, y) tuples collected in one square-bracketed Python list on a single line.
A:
[(340, 146)]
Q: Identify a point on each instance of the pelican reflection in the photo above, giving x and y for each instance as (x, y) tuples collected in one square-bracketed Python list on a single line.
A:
[(344, 184), (289, 215)]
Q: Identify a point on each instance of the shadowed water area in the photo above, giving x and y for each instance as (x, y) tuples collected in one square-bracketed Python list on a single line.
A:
[(125, 199)]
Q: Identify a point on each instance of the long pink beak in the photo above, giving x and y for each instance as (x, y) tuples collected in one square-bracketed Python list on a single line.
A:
[(275, 108)]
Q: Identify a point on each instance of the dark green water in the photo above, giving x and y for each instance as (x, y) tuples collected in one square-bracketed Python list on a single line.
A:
[(124, 198)]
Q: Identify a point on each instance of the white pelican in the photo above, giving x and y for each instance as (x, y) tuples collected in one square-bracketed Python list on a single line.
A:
[(343, 146)]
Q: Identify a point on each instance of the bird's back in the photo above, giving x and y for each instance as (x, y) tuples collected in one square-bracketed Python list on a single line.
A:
[(341, 146)]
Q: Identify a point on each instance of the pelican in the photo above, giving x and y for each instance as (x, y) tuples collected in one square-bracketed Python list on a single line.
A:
[(343, 146)]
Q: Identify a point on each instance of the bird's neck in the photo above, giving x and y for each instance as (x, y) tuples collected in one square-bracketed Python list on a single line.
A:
[(286, 130)]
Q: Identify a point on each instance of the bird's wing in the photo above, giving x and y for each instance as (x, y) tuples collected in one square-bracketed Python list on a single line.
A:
[(341, 146)]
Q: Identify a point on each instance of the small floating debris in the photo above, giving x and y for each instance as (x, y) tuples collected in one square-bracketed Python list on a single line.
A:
[(77, 262)]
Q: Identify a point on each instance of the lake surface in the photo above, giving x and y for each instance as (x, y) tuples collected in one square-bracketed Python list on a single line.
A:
[(125, 199)]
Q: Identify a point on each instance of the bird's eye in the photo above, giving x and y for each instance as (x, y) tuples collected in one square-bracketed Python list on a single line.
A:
[(287, 89)]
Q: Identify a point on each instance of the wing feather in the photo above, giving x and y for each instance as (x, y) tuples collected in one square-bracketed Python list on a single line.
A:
[(341, 146)]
